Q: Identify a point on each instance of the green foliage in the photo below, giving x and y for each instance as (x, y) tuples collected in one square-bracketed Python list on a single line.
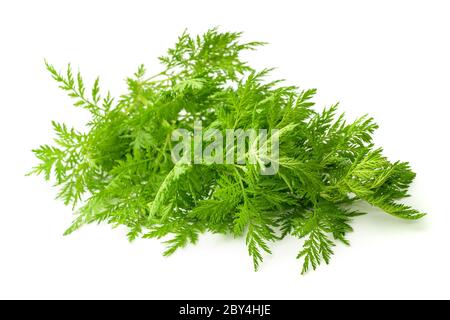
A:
[(120, 171)]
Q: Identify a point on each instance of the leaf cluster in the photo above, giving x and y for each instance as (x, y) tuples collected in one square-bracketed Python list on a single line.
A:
[(120, 170)]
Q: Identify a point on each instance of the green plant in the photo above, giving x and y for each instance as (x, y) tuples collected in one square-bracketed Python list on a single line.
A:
[(120, 170)]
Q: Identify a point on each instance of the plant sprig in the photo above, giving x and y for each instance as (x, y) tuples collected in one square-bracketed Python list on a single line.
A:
[(120, 171)]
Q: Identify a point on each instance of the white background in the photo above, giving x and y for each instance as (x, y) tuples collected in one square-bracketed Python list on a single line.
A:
[(390, 59)]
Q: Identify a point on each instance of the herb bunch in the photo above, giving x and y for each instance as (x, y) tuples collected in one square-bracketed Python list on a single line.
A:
[(120, 169)]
